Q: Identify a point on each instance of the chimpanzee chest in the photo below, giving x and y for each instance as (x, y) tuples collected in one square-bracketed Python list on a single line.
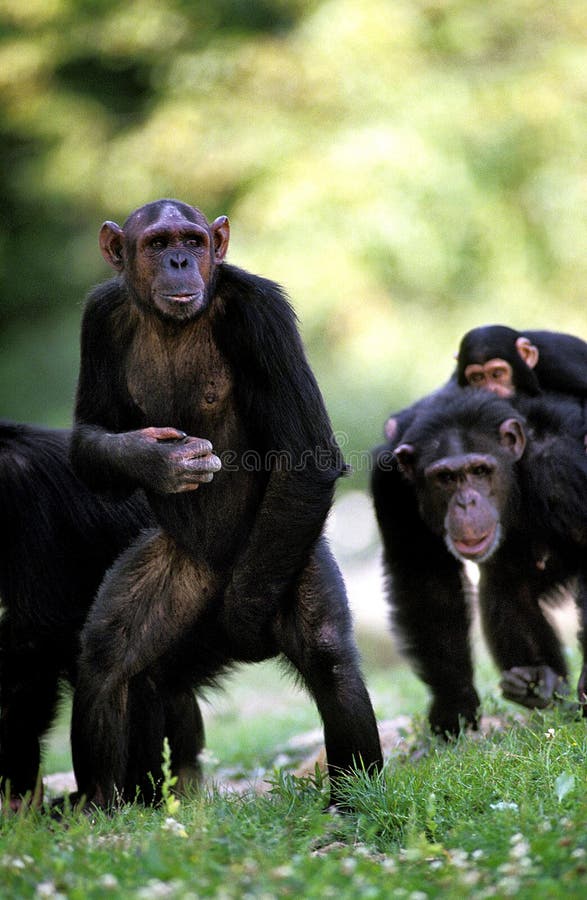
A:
[(180, 380)]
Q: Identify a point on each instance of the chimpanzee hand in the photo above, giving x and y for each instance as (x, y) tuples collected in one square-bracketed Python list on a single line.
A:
[(166, 460), (533, 686), (447, 716)]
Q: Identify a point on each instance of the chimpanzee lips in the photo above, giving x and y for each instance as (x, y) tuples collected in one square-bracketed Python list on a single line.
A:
[(181, 306), (181, 298), (475, 548)]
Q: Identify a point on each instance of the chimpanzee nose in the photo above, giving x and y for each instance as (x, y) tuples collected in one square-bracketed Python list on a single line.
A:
[(178, 261), (466, 499)]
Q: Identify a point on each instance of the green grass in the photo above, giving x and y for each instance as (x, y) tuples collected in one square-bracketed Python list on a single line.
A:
[(496, 816)]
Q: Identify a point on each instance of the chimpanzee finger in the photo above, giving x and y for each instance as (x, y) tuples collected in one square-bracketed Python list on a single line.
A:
[(163, 435), (202, 465), (516, 681), (194, 446), (191, 479)]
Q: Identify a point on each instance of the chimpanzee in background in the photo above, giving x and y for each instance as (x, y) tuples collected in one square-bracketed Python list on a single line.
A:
[(59, 539), (181, 344), (509, 362), (513, 364), (473, 480)]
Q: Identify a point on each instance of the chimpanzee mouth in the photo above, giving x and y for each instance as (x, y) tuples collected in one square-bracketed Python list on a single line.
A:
[(477, 551), (180, 306), (182, 298)]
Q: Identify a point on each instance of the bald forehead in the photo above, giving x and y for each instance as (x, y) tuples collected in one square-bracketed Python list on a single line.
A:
[(164, 212)]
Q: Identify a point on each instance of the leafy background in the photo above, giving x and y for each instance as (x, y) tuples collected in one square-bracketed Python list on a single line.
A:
[(407, 169)]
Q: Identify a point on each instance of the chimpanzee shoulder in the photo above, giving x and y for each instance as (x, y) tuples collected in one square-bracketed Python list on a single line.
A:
[(258, 333), (259, 315)]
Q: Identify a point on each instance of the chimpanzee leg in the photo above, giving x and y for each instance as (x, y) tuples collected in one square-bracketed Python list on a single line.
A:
[(316, 636), (155, 712), (523, 643), (152, 595), (30, 674), (184, 728)]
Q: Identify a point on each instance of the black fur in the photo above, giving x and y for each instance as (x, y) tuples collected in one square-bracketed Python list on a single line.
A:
[(239, 570), (58, 541), (543, 548), (561, 370)]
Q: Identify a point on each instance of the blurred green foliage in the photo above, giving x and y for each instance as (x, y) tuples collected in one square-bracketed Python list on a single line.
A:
[(408, 169)]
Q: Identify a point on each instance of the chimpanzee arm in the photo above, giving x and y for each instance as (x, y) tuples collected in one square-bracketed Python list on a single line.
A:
[(110, 450), (293, 437), (522, 641), (429, 608)]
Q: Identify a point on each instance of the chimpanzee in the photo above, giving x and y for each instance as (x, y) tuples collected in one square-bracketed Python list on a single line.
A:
[(181, 344), (475, 480), (509, 362), (59, 539), (514, 364)]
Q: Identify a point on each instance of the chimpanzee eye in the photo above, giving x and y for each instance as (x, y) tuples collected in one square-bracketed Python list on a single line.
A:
[(158, 243), (194, 240), (480, 471), (446, 478)]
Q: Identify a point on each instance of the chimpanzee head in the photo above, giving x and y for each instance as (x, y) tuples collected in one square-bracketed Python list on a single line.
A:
[(167, 254), (498, 359), (461, 463)]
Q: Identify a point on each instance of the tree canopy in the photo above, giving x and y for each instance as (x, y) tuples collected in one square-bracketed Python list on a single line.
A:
[(407, 170)]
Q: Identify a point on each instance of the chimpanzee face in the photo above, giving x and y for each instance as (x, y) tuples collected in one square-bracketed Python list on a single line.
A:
[(167, 253)]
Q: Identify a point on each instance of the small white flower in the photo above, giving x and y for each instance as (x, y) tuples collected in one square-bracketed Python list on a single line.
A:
[(174, 827), (282, 871), (459, 858), (45, 889), (388, 864), (348, 866)]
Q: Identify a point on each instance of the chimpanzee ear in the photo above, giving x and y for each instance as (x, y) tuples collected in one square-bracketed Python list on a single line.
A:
[(406, 457), (512, 437), (527, 351), (390, 428), (220, 229), (111, 243)]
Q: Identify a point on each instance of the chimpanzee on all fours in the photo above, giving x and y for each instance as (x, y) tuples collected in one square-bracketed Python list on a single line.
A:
[(183, 354), (58, 540), (475, 479)]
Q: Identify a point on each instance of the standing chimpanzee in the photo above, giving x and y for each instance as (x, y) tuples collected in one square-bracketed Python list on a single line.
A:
[(513, 364), (59, 539), (182, 344), (474, 480)]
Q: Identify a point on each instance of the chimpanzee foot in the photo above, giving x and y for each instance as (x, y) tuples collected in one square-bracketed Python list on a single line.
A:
[(535, 687)]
